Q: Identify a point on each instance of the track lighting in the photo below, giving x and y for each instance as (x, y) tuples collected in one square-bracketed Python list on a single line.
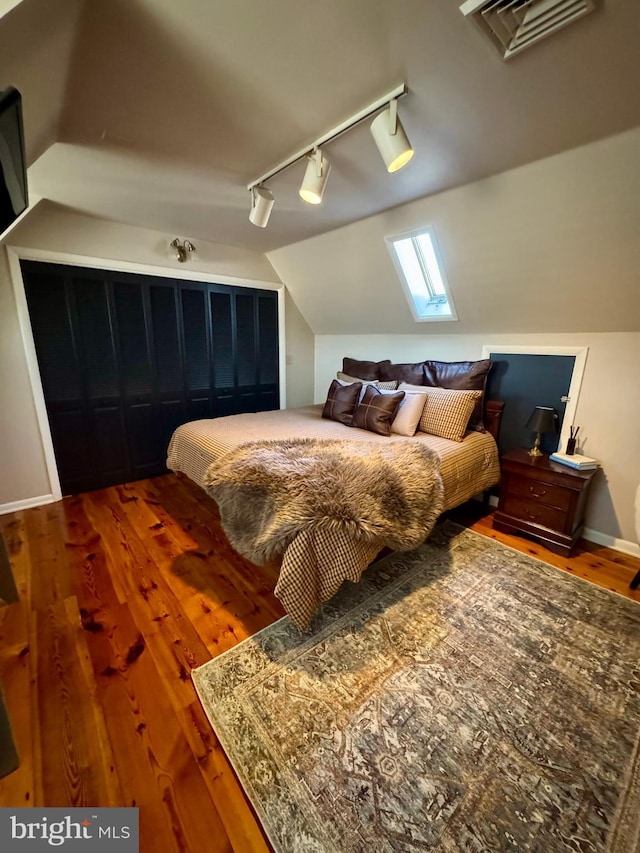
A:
[(315, 177), (391, 139), (183, 250), (388, 134), (261, 204)]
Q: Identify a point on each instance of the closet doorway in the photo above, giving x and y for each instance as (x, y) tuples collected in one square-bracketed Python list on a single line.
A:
[(126, 358)]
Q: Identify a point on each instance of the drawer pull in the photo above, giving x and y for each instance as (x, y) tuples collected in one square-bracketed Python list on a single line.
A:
[(531, 515), (537, 494)]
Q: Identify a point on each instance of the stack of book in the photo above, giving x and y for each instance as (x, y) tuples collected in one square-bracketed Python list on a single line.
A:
[(575, 460)]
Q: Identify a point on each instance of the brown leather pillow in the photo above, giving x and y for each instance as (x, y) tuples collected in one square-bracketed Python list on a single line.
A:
[(461, 376), (411, 373), (341, 402), (363, 369), (376, 411)]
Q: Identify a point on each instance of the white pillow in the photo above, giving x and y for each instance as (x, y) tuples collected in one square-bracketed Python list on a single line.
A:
[(404, 386), (391, 385), (349, 380), (409, 413)]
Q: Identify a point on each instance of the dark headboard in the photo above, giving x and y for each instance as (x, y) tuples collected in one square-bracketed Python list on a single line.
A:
[(493, 416)]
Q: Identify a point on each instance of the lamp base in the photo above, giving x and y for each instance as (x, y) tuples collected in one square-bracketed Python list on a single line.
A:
[(535, 450)]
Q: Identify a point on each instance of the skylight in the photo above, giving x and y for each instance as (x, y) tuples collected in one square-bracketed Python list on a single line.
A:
[(417, 261)]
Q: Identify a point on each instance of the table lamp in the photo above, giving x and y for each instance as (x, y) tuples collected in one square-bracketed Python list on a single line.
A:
[(542, 419)]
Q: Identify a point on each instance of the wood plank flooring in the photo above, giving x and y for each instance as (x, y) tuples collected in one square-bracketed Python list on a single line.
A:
[(122, 592)]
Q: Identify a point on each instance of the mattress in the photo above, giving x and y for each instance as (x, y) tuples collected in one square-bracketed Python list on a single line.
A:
[(467, 467)]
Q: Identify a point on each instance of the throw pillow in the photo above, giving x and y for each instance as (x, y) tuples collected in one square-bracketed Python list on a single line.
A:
[(461, 375), (447, 412), (412, 373), (346, 379), (363, 369), (409, 413), (376, 410), (341, 402)]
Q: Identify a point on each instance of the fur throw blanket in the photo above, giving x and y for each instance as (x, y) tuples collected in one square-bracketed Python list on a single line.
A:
[(326, 507)]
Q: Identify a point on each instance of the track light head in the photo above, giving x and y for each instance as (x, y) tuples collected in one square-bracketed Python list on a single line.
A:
[(389, 136), (315, 177), (261, 204)]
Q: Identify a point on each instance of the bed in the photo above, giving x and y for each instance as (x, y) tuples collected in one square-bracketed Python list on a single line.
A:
[(315, 561)]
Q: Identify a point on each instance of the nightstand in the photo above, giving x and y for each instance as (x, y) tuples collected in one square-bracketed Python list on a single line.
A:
[(545, 500)]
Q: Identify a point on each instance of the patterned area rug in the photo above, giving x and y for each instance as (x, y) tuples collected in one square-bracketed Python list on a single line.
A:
[(461, 697)]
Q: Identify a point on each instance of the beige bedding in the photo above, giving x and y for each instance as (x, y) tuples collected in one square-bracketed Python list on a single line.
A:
[(467, 467), (315, 563)]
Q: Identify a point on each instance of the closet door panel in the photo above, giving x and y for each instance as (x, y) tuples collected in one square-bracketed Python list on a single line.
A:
[(167, 352), (53, 336), (101, 378), (197, 366), (223, 344), (138, 379), (49, 299), (110, 442), (246, 352), (166, 340), (145, 441), (135, 363), (268, 358), (96, 338), (73, 446)]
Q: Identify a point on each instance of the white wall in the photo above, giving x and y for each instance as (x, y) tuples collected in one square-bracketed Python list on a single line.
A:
[(549, 247), (547, 253), (23, 474), (608, 408)]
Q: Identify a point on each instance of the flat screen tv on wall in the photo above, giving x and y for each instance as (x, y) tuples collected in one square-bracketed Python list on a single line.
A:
[(13, 168)]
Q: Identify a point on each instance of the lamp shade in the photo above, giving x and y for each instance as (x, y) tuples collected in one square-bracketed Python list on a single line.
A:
[(315, 178), (543, 419), (261, 204), (392, 142)]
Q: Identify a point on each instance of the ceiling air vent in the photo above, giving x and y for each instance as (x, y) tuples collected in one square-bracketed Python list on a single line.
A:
[(514, 25)]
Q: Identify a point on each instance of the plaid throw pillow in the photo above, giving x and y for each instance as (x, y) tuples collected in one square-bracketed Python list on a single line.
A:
[(376, 411), (447, 412)]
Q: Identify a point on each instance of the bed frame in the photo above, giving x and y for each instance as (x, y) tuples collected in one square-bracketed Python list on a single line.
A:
[(493, 416)]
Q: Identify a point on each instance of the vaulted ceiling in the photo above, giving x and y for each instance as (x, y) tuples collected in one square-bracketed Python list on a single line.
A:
[(158, 113)]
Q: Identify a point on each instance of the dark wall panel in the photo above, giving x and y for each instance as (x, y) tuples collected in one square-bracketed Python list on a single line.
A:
[(523, 381)]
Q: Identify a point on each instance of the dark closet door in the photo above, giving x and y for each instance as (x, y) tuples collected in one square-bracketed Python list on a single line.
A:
[(134, 342), (49, 297), (166, 346), (196, 331), (93, 328), (125, 359), (267, 357)]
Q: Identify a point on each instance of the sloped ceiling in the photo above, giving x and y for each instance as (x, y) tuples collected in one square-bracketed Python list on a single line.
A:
[(169, 109), (37, 39)]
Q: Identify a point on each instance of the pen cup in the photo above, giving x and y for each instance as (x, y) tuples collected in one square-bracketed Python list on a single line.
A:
[(571, 446)]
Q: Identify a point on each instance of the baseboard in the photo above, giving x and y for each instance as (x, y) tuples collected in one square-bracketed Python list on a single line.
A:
[(603, 539), (611, 542), (27, 503)]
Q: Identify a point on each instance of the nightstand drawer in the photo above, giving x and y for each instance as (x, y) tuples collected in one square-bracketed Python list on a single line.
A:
[(539, 492), (536, 513)]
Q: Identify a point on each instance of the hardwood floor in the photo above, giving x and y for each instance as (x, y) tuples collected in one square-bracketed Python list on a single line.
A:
[(122, 592)]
